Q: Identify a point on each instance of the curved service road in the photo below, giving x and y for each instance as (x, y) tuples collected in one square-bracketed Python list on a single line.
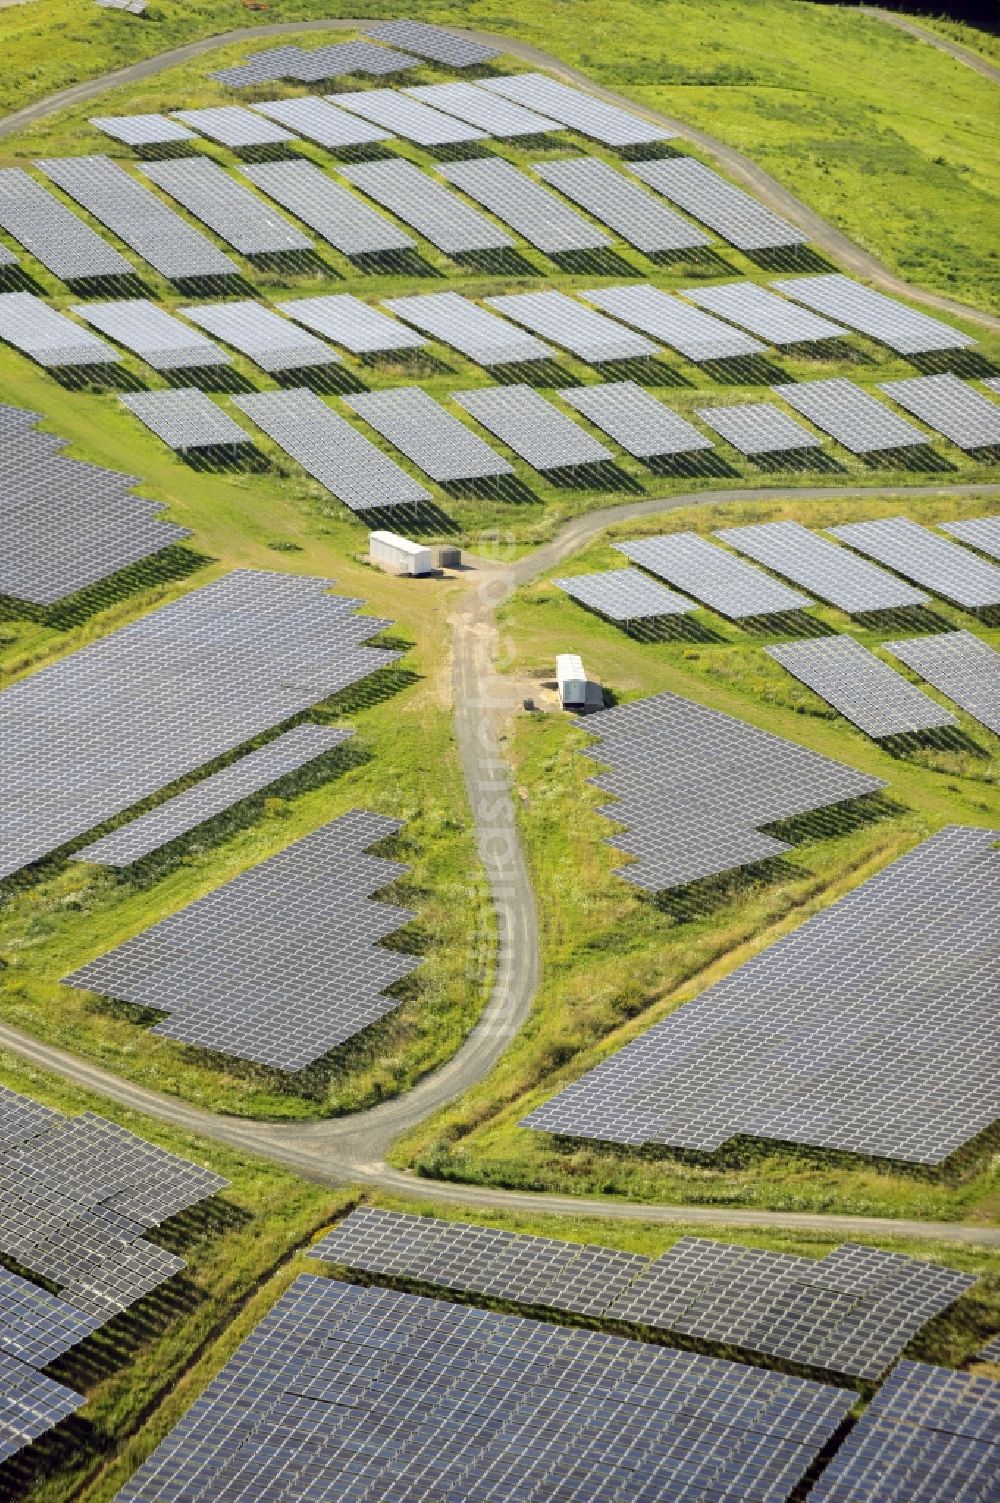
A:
[(352, 1150), (954, 49)]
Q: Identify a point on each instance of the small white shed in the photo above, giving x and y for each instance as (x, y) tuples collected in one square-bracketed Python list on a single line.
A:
[(576, 691), (398, 555)]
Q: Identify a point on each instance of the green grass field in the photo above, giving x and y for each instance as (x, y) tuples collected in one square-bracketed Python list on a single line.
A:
[(614, 962)]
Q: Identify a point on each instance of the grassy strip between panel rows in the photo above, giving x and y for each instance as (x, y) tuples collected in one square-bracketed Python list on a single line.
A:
[(615, 961)]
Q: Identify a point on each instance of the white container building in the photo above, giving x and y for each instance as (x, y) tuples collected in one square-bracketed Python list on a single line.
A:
[(398, 555), (576, 691)]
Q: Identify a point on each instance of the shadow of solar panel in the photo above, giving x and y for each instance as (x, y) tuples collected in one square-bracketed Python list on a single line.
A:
[(231, 125), (535, 213), (341, 218), (434, 43), (622, 205), (407, 117), (112, 724), (576, 328), (642, 425), (30, 1405), (270, 341), (840, 1035), (930, 1433), (735, 589), (696, 335), (65, 524), (960, 665), (869, 693), (279, 965), (726, 209), (427, 206), (764, 313), (468, 328), (873, 313), (951, 406), (172, 246), (331, 450), (53, 234), (48, 337), (352, 323), (142, 130), (850, 415), (340, 1382), (151, 333), (235, 214), (428, 434), (489, 112), (240, 780), (929, 560), (982, 533), (522, 419), (580, 112), (321, 121), (624, 595), (832, 573), (185, 418)]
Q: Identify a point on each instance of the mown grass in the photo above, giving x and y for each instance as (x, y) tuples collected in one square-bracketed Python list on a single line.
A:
[(875, 130), (614, 962)]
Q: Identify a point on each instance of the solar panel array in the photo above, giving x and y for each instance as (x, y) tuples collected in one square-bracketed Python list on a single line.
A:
[(758, 428), (955, 409), (919, 554), (47, 336), (185, 418), (106, 727), (522, 419), (235, 214), (869, 312), (850, 415), (427, 433), (840, 1035), (579, 111), (352, 323), (692, 333), (53, 234), (150, 332), (30, 1405), (161, 237), (142, 130), (427, 206), (332, 451), (763, 313), (76, 1196), (930, 1435), (342, 219), (214, 794), (262, 335), (434, 43), (624, 595), (961, 666), (869, 693), (638, 422), (36, 1326), (7, 257), (982, 533), (695, 788), (313, 65), (991, 1351), (233, 126), (400, 1398), (725, 208), (66, 525), (730, 586), (850, 1313), (320, 120), (535, 213), (407, 117), (626, 208), (281, 964), (468, 328), (834, 574), (489, 112), (590, 335)]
